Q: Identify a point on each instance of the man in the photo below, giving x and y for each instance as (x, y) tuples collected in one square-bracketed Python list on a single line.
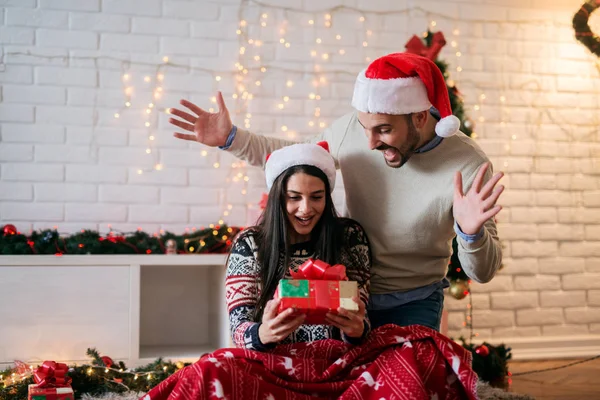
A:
[(408, 194)]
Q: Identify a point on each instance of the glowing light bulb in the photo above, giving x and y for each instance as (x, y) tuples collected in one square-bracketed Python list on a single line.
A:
[(117, 115), (151, 138), (289, 83), (217, 78), (146, 79), (284, 128), (338, 37), (362, 19), (165, 59), (311, 22)]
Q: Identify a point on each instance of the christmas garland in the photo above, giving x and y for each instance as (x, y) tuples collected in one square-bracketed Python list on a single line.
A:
[(214, 239), (103, 375), (583, 33)]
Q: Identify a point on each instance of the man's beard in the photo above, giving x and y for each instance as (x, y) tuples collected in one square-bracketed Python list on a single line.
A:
[(407, 150)]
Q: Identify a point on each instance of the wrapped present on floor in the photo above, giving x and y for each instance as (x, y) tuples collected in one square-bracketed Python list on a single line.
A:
[(316, 289), (52, 383)]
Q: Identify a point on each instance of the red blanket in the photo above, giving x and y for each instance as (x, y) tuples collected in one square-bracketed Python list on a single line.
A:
[(410, 363)]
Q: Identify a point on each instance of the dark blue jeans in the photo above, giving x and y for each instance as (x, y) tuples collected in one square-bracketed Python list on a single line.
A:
[(426, 312)]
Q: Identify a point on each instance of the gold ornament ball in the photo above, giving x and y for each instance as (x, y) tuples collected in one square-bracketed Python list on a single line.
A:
[(459, 289)]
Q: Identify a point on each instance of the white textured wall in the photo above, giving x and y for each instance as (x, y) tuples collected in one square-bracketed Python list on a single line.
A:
[(531, 89)]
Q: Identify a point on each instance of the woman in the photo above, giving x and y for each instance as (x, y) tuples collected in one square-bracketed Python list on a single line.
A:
[(298, 223), (298, 361)]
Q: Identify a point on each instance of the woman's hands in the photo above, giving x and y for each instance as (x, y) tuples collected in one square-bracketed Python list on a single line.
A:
[(274, 327)]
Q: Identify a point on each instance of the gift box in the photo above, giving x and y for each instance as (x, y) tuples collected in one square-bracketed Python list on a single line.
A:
[(50, 393), (317, 288), (51, 383)]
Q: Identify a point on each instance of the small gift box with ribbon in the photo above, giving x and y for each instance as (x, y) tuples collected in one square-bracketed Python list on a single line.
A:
[(316, 289), (52, 382)]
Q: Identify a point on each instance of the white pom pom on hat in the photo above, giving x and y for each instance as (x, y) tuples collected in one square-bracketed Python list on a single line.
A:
[(316, 155), (403, 83)]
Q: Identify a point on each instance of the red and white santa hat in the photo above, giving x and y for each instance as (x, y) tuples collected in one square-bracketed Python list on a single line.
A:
[(403, 83), (316, 155)]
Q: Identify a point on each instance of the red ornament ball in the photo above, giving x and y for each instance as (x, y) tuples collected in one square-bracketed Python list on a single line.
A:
[(483, 350), (9, 230), (108, 362)]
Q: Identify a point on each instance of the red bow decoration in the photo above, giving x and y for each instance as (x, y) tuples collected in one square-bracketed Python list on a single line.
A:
[(52, 374), (320, 271), (416, 46)]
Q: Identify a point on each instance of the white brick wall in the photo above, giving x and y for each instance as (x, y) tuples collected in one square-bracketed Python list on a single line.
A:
[(66, 161)]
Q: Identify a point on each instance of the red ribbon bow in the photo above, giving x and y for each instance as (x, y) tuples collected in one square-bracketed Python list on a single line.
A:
[(415, 46), (319, 270), (52, 374)]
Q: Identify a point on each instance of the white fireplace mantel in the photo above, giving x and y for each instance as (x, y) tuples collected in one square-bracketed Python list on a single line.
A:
[(130, 307)]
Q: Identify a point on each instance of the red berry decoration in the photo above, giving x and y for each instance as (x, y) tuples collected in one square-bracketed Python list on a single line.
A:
[(483, 350), (108, 362)]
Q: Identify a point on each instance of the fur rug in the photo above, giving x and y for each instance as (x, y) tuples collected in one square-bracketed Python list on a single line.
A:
[(484, 392)]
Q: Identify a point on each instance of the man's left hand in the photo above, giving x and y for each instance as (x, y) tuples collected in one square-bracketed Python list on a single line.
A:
[(473, 208)]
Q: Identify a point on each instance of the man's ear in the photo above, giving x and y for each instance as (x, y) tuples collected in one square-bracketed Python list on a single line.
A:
[(419, 119)]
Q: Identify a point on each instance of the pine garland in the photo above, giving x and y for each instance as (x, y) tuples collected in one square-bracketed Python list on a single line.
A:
[(215, 239), (97, 378)]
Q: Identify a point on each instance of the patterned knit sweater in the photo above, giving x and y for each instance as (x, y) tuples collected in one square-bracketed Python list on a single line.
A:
[(243, 287)]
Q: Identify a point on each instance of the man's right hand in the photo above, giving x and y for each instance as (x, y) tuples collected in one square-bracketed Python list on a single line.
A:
[(275, 328), (210, 129)]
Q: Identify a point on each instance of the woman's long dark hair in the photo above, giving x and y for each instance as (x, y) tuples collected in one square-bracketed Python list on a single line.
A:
[(273, 239)]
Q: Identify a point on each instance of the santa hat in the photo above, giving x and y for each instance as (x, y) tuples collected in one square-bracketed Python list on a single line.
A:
[(403, 83), (316, 155)]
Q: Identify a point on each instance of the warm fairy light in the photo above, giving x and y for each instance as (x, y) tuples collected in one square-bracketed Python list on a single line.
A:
[(147, 124), (433, 23), (242, 50), (229, 207), (311, 123), (311, 22), (325, 56), (226, 213), (476, 107), (216, 165), (203, 153), (127, 104), (221, 222), (117, 115), (90, 371), (263, 24), (362, 19), (286, 98), (456, 32), (514, 137), (284, 128), (211, 110), (128, 91), (282, 40), (217, 78), (150, 105), (311, 96), (318, 40), (287, 45), (327, 16), (453, 43), (482, 96), (502, 99), (244, 191), (158, 167), (322, 124), (250, 41), (248, 115), (313, 53), (165, 59), (242, 23), (458, 69), (146, 79), (265, 15), (289, 83), (215, 232), (213, 99), (148, 111), (365, 44), (338, 37), (148, 151), (257, 83), (202, 243), (280, 106), (318, 97), (342, 52), (369, 32), (126, 77), (235, 96)]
